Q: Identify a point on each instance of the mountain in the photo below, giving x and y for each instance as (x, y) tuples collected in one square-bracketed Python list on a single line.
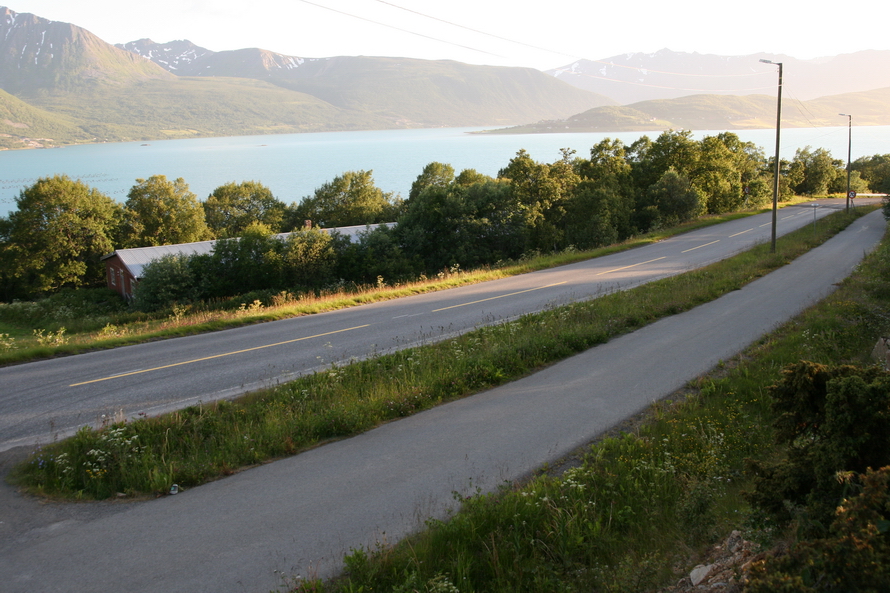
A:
[(70, 86), (401, 90), (39, 56), (715, 112), (635, 77)]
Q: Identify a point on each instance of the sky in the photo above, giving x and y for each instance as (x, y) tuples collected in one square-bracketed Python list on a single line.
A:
[(543, 35)]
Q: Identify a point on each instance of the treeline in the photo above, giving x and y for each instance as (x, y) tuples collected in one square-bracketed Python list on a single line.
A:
[(62, 227)]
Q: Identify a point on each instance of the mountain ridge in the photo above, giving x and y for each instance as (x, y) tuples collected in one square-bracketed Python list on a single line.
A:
[(665, 74)]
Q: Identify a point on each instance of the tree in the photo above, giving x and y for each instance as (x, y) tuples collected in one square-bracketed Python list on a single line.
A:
[(608, 164), (242, 264), (596, 216), (671, 149), (464, 224), (377, 253), (56, 237), (307, 260), (676, 198), (167, 280), (469, 177), (540, 190), (875, 170), (437, 174), (600, 211), (830, 419), (814, 171), (350, 199), (232, 207), (725, 169), (162, 212)]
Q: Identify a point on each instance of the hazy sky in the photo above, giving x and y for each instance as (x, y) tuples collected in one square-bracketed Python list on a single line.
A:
[(543, 35)]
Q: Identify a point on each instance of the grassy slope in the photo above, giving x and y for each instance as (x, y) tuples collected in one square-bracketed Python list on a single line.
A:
[(19, 120), (199, 107)]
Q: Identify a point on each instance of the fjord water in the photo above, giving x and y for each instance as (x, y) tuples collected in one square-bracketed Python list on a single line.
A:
[(294, 165)]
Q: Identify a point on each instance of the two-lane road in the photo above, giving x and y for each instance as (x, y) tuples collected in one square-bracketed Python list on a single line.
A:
[(47, 399)]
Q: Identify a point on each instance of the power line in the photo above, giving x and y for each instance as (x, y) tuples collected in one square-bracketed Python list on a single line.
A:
[(401, 29), (638, 69), (551, 51), (562, 53)]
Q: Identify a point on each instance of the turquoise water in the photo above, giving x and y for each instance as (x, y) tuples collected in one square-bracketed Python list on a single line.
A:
[(293, 165)]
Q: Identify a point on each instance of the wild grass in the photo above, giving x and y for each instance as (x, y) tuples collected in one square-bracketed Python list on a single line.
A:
[(207, 441), (98, 318), (642, 505)]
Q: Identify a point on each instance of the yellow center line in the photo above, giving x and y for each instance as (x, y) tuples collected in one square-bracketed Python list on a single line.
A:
[(176, 364), (700, 246), (498, 297), (631, 266), (742, 233)]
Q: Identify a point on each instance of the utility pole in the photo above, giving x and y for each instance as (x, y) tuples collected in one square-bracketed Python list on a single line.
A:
[(778, 145), (849, 149)]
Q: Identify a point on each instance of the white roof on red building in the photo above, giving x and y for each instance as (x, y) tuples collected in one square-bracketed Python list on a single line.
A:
[(137, 258)]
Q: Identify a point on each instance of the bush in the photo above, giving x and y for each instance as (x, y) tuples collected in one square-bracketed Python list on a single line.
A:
[(831, 420), (165, 281), (64, 307), (854, 557)]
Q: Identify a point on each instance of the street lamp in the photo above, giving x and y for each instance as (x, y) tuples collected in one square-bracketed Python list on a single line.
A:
[(849, 148), (778, 129)]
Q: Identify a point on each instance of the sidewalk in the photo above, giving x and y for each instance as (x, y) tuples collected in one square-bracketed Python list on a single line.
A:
[(300, 515)]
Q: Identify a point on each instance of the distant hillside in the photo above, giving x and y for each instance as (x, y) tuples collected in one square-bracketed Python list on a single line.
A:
[(715, 112), (24, 126), (404, 91), (635, 77)]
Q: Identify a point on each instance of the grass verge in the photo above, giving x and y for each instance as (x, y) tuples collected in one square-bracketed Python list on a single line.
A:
[(207, 441)]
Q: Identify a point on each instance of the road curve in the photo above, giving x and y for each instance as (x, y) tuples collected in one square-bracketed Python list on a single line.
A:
[(299, 515), (45, 400)]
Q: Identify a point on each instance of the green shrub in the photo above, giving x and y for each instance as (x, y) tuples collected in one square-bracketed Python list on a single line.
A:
[(853, 558), (830, 420)]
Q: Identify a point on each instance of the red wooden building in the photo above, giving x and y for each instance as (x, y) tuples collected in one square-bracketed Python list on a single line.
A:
[(123, 268)]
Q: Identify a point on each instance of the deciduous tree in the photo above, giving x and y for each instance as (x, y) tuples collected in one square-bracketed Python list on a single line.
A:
[(434, 174), (233, 206), (56, 237), (350, 199), (162, 212)]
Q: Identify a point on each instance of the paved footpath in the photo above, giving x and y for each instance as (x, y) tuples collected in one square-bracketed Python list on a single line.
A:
[(299, 515)]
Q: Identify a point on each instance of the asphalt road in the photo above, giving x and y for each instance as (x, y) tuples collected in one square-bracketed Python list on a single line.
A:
[(45, 400), (296, 517)]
